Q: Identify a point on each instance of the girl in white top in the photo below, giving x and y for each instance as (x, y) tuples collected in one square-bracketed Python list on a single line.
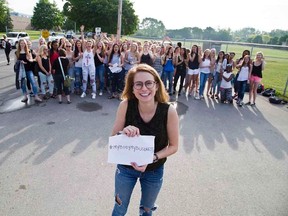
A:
[(204, 68), (242, 78), (88, 65), (220, 66), (226, 86)]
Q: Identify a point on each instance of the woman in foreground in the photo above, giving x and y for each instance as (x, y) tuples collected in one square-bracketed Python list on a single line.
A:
[(144, 111)]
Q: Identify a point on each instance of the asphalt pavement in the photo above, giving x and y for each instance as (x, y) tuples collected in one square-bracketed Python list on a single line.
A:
[(53, 157)]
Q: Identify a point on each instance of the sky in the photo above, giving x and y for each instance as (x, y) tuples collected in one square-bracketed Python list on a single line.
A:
[(218, 14)]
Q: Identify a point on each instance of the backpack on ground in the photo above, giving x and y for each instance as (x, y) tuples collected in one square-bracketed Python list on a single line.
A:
[(269, 92), (275, 100), (260, 88)]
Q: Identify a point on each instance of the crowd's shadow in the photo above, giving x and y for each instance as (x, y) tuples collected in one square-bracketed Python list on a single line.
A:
[(207, 123), (46, 138)]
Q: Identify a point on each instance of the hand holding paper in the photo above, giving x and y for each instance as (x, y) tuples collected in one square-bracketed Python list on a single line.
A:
[(124, 150)]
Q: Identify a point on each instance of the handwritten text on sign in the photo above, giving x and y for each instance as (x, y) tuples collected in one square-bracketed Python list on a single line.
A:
[(124, 150)]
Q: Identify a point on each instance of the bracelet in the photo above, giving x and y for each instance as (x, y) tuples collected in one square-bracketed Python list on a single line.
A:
[(156, 158)]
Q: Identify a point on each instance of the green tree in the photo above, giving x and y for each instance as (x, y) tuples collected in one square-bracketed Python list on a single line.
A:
[(46, 15), (244, 34), (5, 18), (197, 33), (151, 27), (102, 13), (223, 35), (257, 39), (274, 41), (278, 33), (266, 38), (68, 24), (209, 33), (283, 39)]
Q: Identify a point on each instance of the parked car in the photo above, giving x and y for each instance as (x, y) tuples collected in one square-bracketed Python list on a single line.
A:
[(89, 34), (56, 36), (70, 34), (14, 37)]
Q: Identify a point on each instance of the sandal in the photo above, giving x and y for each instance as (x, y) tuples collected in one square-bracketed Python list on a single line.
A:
[(24, 100)]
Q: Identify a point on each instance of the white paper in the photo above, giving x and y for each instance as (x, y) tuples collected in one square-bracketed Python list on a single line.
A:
[(124, 150), (115, 68)]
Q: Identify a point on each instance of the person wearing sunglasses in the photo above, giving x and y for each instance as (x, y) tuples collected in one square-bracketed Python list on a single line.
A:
[(69, 55), (144, 111)]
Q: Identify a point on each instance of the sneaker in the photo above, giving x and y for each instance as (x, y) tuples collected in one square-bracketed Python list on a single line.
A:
[(93, 95), (197, 98), (100, 93), (201, 97), (83, 95), (31, 94)]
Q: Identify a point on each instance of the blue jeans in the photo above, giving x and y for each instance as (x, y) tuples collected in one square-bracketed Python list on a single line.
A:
[(203, 79), (125, 180), (71, 73), (216, 83), (116, 81), (78, 77), (30, 77), (100, 75), (241, 89), (168, 75), (46, 80)]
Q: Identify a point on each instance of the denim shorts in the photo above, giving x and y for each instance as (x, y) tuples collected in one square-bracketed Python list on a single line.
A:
[(125, 180)]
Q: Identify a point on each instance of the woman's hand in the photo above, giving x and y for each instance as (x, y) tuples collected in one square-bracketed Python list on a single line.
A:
[(131, 131), (139, 168)]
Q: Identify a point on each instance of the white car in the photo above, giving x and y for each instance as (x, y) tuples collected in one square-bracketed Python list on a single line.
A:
[(14, 37), (56, 36)]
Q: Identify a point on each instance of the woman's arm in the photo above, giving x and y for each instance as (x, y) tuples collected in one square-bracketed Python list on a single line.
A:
[(82, 37), (39, 61), (120, 118), (173, 134)]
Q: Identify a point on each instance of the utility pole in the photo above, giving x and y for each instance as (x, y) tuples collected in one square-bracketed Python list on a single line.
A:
[(119, 20)]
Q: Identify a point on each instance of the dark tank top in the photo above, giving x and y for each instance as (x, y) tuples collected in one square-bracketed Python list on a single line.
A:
[(29, 65), (97, 60), (146, 59), (194, 64), (156, 127), (257, 70), (45, 64)]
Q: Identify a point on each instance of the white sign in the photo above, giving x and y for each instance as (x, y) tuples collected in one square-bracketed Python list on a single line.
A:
[(124, 150), (97, 31)]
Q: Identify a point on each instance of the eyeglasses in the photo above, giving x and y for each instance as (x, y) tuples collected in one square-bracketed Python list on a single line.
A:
[(139, 85), (68, 46)]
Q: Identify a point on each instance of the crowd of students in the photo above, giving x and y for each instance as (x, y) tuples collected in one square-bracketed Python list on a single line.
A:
[(102, 63)]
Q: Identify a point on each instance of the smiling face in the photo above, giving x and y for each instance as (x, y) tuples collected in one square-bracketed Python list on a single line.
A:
[(144, 86)]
